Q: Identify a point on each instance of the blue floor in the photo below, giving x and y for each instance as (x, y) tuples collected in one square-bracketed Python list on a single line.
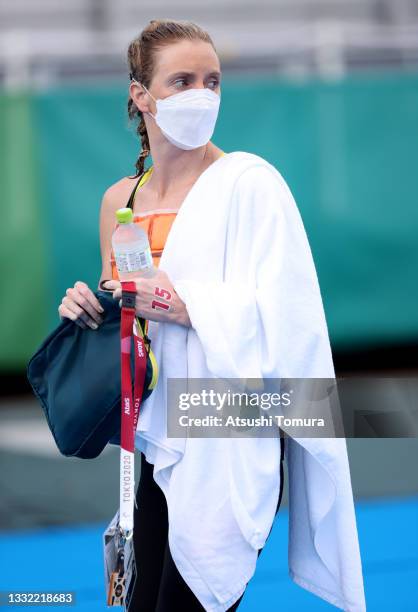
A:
[(70, 559)]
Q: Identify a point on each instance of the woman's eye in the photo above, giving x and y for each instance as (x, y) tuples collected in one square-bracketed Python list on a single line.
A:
[(184, 82), (180, 81)]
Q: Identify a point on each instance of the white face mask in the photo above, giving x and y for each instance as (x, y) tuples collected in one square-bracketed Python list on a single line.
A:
[(187, 119)]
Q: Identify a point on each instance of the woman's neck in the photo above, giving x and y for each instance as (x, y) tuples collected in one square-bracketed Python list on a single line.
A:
[(174, 170)]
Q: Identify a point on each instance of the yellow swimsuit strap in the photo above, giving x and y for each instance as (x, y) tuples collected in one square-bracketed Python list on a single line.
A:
[(143, 179)]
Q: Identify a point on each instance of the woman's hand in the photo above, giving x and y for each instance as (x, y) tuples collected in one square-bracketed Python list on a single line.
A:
[(81, 306), (156, 299)]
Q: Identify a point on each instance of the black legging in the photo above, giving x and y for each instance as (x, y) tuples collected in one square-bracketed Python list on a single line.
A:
[(159, 585)]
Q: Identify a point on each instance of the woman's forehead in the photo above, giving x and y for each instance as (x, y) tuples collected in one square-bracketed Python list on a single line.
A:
[(189, 55)]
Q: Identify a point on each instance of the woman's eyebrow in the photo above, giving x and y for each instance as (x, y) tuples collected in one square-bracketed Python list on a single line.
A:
[(190, 73)]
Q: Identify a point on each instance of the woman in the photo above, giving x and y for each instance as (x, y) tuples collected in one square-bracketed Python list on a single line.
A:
[(243, 301)]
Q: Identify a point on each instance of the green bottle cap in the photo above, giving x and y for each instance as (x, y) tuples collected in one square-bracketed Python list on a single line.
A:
[(124, 215)]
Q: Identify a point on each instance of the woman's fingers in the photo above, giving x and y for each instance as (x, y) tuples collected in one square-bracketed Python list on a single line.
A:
[(81, 305), (79, 312), (89, 297), (82, 308), (112, 284), (79, 302), (115, 286), (65, 312)]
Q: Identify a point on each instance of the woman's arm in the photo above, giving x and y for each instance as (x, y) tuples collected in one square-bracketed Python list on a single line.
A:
[(111, 201), (79, 303), (265, 319), (156, 298)]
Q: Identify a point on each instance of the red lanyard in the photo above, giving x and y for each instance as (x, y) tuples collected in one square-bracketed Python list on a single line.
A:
[(129, 405)]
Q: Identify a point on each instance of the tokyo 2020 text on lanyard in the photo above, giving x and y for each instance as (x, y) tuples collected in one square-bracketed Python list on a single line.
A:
[(129, 404)]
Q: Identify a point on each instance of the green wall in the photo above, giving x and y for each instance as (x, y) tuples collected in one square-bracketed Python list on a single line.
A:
[(348, 151)]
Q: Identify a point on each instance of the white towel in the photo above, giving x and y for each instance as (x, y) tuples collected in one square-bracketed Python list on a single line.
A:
[(238, 256)]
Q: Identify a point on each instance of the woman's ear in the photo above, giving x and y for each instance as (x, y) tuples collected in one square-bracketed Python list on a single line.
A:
[(138, 95)]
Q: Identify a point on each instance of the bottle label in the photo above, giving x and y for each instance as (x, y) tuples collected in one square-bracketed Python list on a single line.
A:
[(133, 261)]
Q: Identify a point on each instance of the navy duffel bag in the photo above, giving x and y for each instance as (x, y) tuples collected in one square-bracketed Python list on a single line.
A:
[(76, 376)]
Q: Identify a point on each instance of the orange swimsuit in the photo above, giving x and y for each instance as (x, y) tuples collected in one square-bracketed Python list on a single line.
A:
[(156, 223)]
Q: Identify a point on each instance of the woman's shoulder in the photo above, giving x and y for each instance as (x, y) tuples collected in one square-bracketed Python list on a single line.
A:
[(245, 160), (117, 194), (252, 170), (259, 187)]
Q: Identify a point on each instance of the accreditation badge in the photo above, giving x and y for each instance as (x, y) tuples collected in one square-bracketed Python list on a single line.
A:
[(119, 563)]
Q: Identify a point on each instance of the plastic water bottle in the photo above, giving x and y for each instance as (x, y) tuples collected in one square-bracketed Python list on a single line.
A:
[(131, 247)]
